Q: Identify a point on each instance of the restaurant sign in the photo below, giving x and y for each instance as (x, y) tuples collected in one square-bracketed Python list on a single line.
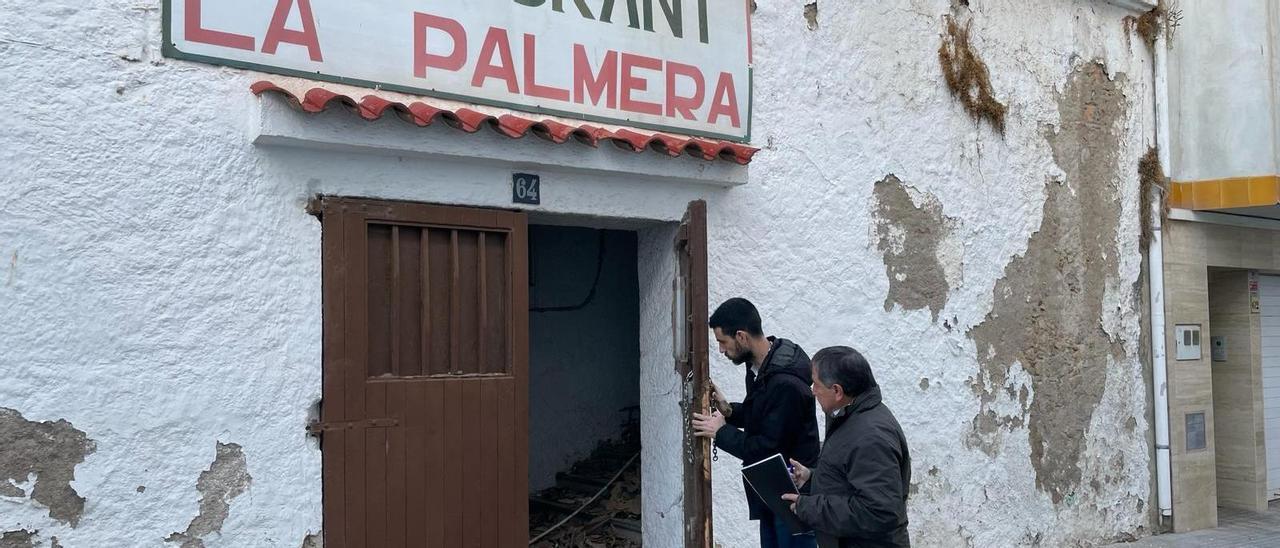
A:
[(681, 66)]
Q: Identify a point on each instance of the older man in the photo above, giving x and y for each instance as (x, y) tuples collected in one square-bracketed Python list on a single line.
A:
[(858, 496)]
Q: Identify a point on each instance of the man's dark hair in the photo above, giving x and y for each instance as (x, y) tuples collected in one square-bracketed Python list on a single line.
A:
[(846, 367), (734, 315)]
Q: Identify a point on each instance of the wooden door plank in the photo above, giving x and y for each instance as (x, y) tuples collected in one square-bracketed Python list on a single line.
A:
[(397, 474), (378, 273), (518, 421), (333, 286), (512, 531), (473, 499), (692, 246), (440, 316), (415, 419), (455, 455), (356, 370), (377, 349), (437, 493), (408, 302), (701, 361), (497, 281), (482, 308), (393, 304), (376, 486), (487, 460), (468, 326), (424, 316), (455, 304)]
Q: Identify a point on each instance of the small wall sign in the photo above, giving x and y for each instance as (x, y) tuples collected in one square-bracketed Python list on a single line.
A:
[(526, 189), (1197, 437), (1255, 306)]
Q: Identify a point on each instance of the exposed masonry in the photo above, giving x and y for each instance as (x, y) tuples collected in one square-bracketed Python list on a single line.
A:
[(313, 540), (227, 478), (908, 238), (22, 538), (811, 15), (1048, 307), (18, 539), (48, 450)]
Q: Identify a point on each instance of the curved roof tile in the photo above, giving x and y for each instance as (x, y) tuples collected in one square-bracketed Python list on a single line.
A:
[(373, 106)]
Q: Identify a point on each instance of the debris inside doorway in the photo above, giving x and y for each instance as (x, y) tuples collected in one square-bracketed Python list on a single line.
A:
[(609, 520)]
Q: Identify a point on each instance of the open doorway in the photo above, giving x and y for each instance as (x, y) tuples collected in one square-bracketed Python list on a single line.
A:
[(584, 387), (426, 413), (1270, 354), (1243, 415)]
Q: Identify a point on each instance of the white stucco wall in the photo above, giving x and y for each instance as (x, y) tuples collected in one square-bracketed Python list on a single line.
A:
[(584, 365), (160, 282), (1223, 87), (861, 97)]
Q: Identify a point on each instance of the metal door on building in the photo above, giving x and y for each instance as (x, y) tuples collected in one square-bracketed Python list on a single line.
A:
[(424, 420)]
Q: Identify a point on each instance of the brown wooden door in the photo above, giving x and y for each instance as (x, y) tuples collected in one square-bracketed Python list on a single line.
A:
[(692, 364), (425, 411)]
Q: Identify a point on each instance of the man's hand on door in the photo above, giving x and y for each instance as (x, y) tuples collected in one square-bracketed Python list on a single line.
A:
[(706, 426), (718, 400)]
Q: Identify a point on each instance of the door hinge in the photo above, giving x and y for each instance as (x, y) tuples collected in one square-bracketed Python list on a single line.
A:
[(319, 427), (315, 207), (682, 235)]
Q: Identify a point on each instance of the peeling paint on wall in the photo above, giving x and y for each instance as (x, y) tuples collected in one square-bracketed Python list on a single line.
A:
[(811, 15), (1047, 315), (48, 450), (313, 540), (18, 539), (8, 489), (908, 238), (227, 478)]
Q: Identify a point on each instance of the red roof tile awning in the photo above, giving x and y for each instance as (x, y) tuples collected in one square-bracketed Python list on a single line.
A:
[(373, 105)]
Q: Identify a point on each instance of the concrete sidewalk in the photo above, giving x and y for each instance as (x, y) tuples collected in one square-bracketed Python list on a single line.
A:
[(1236, 528)]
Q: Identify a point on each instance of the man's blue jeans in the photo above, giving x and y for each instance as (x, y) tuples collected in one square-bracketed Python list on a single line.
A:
[(774, 534)]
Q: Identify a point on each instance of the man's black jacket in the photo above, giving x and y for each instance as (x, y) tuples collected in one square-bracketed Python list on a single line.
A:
[(777, 416), (859, 488)]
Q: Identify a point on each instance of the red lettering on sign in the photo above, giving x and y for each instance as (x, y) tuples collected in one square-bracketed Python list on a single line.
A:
[(588, 86), (632, 83), (725, 102), (531, 86), (421, 59), (684, 105), (196, 33), (276, 33), (496, 39)]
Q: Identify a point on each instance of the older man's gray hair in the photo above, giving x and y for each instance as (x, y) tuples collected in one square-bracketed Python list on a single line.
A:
[(846, 367)]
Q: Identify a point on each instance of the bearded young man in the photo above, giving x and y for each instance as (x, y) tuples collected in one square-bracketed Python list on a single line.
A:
[(777, 416)]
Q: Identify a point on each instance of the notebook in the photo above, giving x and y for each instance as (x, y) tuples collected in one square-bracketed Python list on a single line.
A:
[(770, 479)]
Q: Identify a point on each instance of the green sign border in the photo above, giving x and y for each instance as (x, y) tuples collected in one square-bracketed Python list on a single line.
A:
[(169, 49)]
